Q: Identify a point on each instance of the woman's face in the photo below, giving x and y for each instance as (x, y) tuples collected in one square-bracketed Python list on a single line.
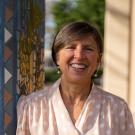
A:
[(78, 60)]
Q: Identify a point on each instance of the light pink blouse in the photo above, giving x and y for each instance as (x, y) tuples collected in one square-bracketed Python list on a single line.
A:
[(44, 113)]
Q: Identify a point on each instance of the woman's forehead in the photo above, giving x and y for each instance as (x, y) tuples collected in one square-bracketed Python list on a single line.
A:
[(87, 40)]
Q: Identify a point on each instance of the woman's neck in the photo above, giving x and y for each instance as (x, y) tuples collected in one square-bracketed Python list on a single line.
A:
[(74, 96), (74, 92)]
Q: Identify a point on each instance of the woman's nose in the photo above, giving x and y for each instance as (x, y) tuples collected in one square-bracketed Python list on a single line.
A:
[(79, 54)]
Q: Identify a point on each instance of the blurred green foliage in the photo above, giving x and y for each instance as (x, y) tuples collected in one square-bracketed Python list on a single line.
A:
[(51, 75), (66, 11)]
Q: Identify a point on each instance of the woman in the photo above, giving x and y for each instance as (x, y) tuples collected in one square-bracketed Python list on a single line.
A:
[(74, 105)]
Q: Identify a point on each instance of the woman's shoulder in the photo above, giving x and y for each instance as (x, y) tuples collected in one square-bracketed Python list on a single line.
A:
[(34, 99), (35, 96), (38, 97), (109, 97)]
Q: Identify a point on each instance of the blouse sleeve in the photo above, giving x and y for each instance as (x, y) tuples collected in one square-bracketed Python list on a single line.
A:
[(22, 117), (126, 121)]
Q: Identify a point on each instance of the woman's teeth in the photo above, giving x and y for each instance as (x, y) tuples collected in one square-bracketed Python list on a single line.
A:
[(78, 66)]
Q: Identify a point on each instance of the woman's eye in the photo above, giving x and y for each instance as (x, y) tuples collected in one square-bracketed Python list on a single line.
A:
[(89, 49)]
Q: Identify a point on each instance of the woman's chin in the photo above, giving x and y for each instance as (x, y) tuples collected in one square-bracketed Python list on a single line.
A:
[(78, 79)]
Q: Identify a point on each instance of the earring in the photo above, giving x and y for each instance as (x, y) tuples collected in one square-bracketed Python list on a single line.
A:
[(58, 70), (95, 75)]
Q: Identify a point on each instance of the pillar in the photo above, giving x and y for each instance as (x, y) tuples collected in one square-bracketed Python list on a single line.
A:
[(119, 64)]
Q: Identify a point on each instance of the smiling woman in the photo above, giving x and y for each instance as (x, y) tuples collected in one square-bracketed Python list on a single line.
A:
[(74, 105)]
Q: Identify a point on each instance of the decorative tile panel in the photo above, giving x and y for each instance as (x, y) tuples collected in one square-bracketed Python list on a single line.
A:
[(7, 74), (7, 53), (1, 67), (10, 20), (7, 35), (8, 68)]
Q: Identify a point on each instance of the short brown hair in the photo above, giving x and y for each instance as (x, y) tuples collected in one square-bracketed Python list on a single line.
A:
[(73, 31)]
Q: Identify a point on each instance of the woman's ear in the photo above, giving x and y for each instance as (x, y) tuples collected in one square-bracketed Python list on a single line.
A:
[(100, 58)]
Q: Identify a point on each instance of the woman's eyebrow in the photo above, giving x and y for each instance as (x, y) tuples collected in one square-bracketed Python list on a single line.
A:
[(90, 45)]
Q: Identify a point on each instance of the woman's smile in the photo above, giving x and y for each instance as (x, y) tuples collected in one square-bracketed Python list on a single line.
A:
[(78, 66)]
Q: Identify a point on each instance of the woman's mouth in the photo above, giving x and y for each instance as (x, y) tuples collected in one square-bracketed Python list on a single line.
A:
[(78, 66)]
